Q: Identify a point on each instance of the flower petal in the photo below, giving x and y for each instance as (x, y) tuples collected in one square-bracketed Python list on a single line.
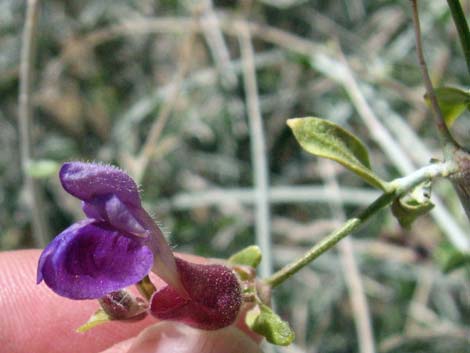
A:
[(109, 195), (111, 210), (164, 264), (89, 180), (90, 259), (214, 302)]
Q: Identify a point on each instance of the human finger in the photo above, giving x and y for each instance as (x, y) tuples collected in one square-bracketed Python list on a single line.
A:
[(34, 318), (174, 337)]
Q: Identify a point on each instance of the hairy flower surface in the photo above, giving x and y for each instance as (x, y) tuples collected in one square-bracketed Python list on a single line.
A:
[(214, 297), (116, 246), (89, 259)]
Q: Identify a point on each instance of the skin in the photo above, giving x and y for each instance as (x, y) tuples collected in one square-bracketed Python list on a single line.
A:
[(36, 320)]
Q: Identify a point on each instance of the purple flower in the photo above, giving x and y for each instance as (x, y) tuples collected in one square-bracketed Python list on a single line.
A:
[(214, 297), (116, 246)]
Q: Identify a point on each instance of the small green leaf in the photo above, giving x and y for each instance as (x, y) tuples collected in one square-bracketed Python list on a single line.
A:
[(42, 168), (98, 318), (453, 101), (250, 256), (323, 138), (267, 323), (451, 259), (409, 207)]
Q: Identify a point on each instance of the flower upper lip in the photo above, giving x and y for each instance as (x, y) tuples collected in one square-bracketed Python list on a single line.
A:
[(86, 181)]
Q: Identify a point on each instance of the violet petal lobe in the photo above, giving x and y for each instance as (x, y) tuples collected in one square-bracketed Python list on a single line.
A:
[(90, 259), (86, 181), (110, 209), (164, 264), (214, 297)]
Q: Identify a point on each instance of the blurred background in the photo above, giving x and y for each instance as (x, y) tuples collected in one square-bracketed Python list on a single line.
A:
[(191, 98)]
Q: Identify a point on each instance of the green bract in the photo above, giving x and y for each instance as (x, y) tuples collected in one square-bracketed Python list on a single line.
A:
[(267, 323), (406, 211), (250, 256), (323, 138), (98, 318), (409, 207)]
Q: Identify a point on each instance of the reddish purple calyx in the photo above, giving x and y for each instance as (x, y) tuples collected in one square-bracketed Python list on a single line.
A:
[(214, 297)]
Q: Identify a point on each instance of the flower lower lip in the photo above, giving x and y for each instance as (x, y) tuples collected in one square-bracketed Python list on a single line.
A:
[(90, 259)]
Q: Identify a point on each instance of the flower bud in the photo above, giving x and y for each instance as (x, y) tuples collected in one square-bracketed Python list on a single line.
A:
[(214, 297), (121, 305)]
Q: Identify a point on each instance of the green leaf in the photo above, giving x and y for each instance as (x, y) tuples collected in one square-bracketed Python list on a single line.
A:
[(250, 256), (409, 207), (451, 259), (267, 323), (325, 139), (453, 101), (98, 318), (42, 168)]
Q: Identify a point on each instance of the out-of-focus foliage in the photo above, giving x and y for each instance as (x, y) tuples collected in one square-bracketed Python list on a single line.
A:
[(453, 102), (106, 76)]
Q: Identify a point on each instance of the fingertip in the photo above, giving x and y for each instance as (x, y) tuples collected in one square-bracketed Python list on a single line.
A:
[(40, 319), (175, 337), (121, 347)]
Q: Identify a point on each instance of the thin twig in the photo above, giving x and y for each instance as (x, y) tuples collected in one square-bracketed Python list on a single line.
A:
[(462, 28), (420, 297), (276, 194), (394, 343), (376, 249), (258, 153), (397, 188), (25, 115), (202, 77), (350, 268), (388, 144), (442, 128), (321, 60), (216, 43), (379, 133), (160, 122)]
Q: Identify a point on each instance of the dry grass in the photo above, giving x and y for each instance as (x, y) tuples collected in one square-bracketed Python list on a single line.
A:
[(192, 99)]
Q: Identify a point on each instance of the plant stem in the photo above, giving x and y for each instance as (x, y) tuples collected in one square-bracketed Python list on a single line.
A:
[(25, 113), (397, 188), (148, 149), (446, 137), (258, 150), (349, 266), (329, 241), (462, 28)]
